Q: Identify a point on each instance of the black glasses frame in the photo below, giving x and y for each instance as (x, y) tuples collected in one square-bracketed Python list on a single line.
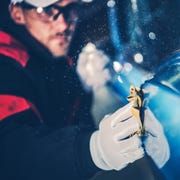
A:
[(66, 10), (71, 8)]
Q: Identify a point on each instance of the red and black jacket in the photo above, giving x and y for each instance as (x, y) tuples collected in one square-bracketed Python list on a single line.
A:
[(45, 119)]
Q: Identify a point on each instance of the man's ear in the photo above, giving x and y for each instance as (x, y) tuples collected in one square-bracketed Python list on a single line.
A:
[(17, 14)]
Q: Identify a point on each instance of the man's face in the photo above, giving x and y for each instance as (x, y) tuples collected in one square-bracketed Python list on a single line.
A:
[(55, 34)]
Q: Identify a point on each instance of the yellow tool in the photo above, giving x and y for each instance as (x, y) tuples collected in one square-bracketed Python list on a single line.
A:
[(136, 97)]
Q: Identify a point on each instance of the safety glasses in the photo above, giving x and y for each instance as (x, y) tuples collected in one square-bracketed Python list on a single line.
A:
[(52, 12)]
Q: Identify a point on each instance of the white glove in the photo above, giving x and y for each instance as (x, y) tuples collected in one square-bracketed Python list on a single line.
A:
[(114, 146), (155, 143), (91, 67)]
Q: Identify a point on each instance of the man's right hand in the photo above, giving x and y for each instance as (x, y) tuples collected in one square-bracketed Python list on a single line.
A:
[(116, 143)]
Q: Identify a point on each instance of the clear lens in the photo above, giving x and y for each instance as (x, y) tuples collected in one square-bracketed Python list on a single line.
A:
[(51, 13)]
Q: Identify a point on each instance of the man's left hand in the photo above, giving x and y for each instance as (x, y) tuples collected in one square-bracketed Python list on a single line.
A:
[(156, 144)]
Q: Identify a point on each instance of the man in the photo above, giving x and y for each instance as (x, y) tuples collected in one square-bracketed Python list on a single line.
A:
[(46, 128)]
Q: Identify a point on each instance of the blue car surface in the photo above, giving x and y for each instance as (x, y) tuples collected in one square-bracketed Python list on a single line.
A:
[(163, 98)]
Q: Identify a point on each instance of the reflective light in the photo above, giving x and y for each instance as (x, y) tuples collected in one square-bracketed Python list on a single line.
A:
[(87, 1), (134, 5), (39, 9), (119, 79), (128, 67), (111, 3), (117, 66), (168, 84), (138, 58), (152, 35)]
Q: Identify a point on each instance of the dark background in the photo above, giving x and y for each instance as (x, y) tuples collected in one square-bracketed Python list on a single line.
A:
[(159, 16)]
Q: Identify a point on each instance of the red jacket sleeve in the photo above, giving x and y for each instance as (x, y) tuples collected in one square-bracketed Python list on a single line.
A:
[(10, 105)]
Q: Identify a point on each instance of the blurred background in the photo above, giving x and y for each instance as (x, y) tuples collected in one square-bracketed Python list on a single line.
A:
[(150, 28), (136, 35), (141, 33)]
